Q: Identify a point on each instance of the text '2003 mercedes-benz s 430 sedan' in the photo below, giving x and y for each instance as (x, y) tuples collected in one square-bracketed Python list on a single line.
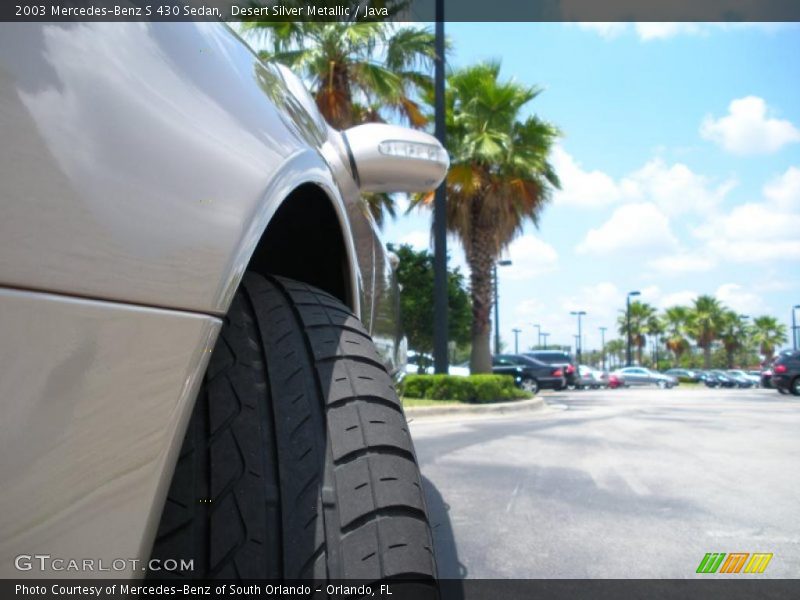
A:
[(197, 315)]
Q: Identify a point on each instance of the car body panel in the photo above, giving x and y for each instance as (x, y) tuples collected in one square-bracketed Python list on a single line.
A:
[(634, 376), (141, 162), (94, 398)]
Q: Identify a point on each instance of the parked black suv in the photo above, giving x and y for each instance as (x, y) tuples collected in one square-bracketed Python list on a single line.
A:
[(529, 373), (558, 358), (786, 373)]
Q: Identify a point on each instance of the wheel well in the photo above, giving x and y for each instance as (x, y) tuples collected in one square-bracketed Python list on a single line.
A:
[(304, 241)]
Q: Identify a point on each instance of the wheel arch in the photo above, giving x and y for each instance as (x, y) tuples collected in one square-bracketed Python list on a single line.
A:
[(301, 230)]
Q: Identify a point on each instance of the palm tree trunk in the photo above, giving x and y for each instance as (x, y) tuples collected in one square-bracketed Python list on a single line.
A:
[(707, 356), (480, 256)]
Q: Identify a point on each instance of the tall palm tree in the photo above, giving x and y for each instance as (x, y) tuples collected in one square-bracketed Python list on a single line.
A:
[(357, 73), (499, 179), (768, 333), (640, 315), (675, 319), (705, 322), (732, 334)]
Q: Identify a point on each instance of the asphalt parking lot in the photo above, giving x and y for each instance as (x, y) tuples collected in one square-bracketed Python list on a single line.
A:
[(615, 484)]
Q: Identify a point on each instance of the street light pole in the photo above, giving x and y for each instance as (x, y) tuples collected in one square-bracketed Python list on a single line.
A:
[(603, 345), (516, 331), (544, 337), (538, 334), (440, 329), (794, 327), (579, 314), (502, 263), (628, 359)]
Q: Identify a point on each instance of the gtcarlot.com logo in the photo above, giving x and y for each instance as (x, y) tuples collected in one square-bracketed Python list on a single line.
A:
[(46, 562), (735, 562)]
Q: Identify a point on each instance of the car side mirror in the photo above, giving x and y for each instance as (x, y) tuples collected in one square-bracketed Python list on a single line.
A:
[(389, 158)]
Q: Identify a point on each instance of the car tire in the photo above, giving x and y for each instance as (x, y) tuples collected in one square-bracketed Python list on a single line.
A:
[(530, 384), (796, 386), (297, 462)]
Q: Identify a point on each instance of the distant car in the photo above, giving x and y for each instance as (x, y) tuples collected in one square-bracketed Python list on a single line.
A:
[(418, 363), (530, 374), (684, 374), (786, 373), (615, 380), (462, 370), (745, 378), (590, 378), (640, 376), (723, 379), (558, 358)]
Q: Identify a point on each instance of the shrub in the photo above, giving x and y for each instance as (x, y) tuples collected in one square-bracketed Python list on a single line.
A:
[(474, 388)]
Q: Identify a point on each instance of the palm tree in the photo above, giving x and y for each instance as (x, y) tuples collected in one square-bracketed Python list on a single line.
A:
[(675, 320), (768, 333), (655, 328), (616, 349), (357, 72), (705, 322), (732, 334), (499, 179), (640, 315)]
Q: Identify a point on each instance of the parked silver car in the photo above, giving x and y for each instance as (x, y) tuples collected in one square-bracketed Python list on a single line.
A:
[(640, 376), (197, 314)]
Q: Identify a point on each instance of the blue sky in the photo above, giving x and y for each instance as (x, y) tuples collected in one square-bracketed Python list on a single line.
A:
[(680, 166)]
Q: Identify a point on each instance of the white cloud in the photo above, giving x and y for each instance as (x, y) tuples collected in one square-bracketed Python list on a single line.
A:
[(681, 298), (580, 187), (682, 262), (748, 128), (639, 227), (528, 310), (604, 29), (649, 31), (665, 30), (530, 257), (737, 298), (753, 233), (675, 188), (783, 192)]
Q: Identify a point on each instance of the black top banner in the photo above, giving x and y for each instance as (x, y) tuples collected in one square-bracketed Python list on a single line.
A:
[(402, 10)]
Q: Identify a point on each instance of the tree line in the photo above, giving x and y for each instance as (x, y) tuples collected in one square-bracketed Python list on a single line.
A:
[(706, 324)]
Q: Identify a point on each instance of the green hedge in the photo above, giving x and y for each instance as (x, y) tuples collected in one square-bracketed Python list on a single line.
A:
[(474, 388)]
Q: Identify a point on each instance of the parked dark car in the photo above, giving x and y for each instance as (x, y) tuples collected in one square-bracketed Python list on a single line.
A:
[(723, 379), (557, 358), (686, 375), (786, 373), (529, 374), (766, 378)]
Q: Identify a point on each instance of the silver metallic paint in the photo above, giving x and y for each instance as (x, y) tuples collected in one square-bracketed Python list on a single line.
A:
[(94, 398), (140, 162)]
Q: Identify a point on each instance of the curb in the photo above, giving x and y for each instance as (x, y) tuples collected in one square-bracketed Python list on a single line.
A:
[(475, 409)]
